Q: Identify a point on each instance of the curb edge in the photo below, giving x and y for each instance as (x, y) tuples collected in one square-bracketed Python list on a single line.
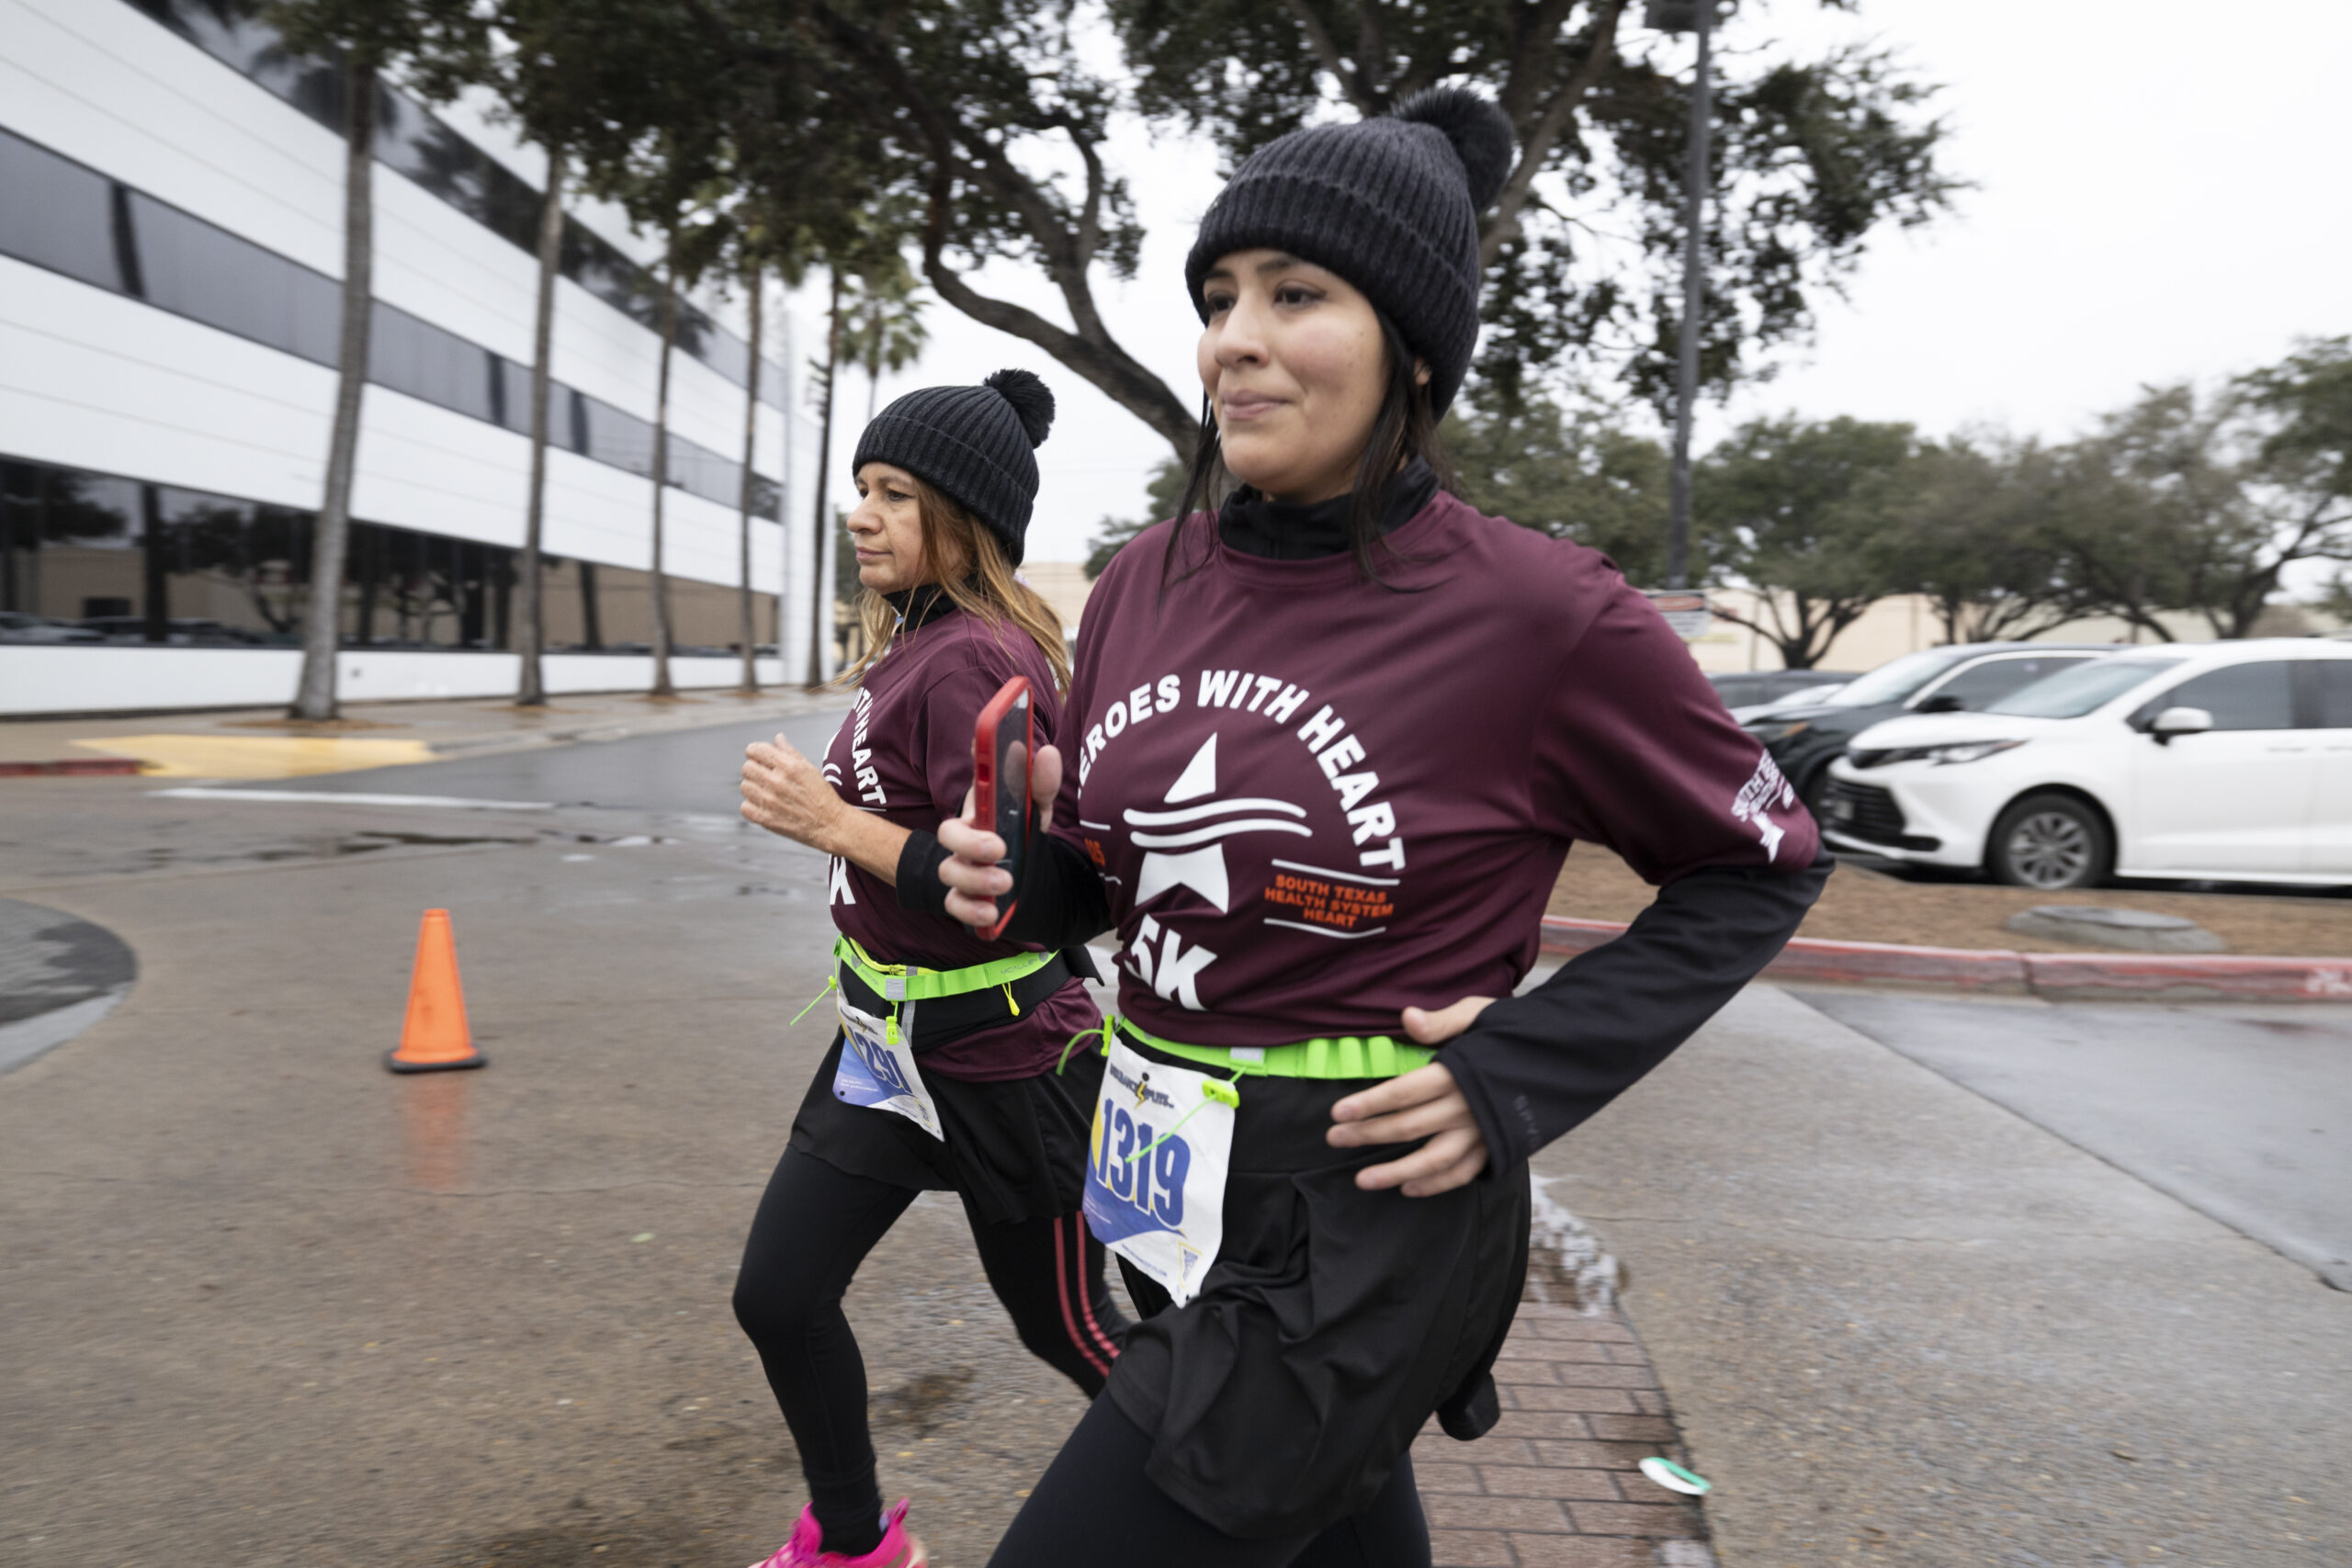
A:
[(2152, 977)]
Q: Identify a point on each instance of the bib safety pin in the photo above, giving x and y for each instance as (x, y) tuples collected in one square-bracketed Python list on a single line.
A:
[(832, 982), (1104, 1031), (1220, 1090)]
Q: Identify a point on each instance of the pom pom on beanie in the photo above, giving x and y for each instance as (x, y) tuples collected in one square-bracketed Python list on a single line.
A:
[(1032, 401), (1480, 136)]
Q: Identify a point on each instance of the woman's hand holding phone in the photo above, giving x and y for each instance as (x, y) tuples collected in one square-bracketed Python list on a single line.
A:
[(975, 881)]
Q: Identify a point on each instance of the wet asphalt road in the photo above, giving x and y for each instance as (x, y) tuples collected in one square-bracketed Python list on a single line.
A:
[(2242, 1112), (680, 771), (263, 1303)]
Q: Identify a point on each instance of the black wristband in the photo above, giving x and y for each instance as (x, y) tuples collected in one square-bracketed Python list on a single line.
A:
[(920, 888)]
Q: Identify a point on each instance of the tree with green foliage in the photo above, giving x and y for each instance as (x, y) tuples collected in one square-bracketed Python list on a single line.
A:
[(366, 38), (884, 330), (991, 113), (706, 141), (693, 145), (2201, 501), (2301, 408), (1981, 538), (1162, 495), (1813, 515), (1809, 156), (1572, 472), (754, 278), (1568, 471), (525, 54), (866, 277)]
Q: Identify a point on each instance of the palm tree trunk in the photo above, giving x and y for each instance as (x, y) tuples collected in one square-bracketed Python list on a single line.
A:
[(821, 610), (745, 630), (314, 697), (662, 686), (531, 642)]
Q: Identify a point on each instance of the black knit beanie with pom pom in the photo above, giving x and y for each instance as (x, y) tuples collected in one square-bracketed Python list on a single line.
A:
[(1390, 204), (974, 444)]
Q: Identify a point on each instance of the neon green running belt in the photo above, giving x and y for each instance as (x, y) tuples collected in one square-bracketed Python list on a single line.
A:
[(1346, 1057), (908, 983)]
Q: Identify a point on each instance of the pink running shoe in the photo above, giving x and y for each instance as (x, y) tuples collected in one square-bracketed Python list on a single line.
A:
[(899, 1548)]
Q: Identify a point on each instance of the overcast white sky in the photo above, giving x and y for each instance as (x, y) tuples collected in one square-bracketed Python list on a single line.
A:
[(2165, 189)]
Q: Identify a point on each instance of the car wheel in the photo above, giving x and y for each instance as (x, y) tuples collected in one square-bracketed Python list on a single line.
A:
[(2050, 842)]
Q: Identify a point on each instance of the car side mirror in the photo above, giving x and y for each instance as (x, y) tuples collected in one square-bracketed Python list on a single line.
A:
[(1942, 702), (2179, 721)]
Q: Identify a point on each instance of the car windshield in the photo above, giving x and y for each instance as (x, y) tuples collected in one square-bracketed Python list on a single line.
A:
[(1897, 679), (2071, 693)]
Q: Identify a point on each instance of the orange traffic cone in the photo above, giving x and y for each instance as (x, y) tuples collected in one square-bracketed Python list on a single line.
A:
[(435, 1038)]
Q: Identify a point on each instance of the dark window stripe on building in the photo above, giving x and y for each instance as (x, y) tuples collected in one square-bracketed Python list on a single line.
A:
[(61, 214), (414, 141)]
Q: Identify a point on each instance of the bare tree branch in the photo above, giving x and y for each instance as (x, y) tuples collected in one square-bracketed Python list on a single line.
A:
[(1326, 51), (1536, 142)]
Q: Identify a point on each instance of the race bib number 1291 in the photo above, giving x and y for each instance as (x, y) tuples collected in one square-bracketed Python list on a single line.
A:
[(880, 1072)]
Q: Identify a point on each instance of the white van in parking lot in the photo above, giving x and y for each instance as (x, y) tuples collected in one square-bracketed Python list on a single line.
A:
[(2215, 760)]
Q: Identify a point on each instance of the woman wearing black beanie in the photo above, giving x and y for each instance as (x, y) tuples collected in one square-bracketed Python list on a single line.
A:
[(952, 1086), (1328, 746)]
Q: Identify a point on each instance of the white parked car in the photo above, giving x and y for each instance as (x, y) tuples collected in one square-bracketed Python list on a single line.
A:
[(2220, 761)]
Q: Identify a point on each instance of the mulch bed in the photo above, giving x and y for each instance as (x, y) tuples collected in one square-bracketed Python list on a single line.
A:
[(1865, 905)]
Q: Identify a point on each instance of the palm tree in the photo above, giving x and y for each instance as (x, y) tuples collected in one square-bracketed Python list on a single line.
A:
[(370, 36), (820, 607), (755, 284), (884, 330), (531, 643), (314, 697)]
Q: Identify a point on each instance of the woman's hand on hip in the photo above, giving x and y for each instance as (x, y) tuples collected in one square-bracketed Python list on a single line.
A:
[(787, 793), (1423, 1103), (973, 877)]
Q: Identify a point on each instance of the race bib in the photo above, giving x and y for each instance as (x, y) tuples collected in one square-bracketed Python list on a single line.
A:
[(878, 1071), (1155, 1180)]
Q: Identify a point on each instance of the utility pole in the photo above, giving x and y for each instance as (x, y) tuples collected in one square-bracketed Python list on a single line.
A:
[(1691, 17)]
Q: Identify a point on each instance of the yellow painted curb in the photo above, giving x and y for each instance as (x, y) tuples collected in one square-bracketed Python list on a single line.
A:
[(256, 756)]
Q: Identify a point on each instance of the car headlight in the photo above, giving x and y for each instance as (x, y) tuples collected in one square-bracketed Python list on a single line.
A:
[(1773, 734), (1971, 750), (1955, 751)]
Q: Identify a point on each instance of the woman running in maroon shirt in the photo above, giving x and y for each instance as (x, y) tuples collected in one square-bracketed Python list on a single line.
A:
[(941, 1076), (1326, 748)]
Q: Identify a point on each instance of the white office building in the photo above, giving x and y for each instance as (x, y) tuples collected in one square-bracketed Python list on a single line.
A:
[(171, 251)]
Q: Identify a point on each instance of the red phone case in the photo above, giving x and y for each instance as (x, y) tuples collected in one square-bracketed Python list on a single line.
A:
[(984, 781)]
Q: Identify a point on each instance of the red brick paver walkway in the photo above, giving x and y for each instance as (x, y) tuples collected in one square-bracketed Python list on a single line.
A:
[(1555, 1484)]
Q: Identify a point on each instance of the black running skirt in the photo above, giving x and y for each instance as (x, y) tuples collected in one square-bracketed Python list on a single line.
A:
[(1015, 1149), (1334, 1323)]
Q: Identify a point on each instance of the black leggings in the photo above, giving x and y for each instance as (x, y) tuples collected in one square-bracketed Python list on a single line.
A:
[(815, 1225), (1095, 1504)]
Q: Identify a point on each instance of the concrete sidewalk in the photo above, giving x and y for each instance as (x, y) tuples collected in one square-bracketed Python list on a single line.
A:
[(264, 743), (1901, 1325)]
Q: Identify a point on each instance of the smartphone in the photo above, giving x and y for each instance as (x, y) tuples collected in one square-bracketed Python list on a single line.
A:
[(1003, 742)]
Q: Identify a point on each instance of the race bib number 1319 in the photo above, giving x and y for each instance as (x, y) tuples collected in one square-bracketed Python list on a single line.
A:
[(1155, 1177)]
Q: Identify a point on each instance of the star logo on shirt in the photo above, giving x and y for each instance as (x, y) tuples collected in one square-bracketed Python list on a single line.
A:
[(1185, 846)]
